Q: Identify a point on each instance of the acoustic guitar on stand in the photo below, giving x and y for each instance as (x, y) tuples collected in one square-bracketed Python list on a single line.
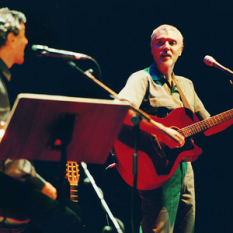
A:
[(72, 174)]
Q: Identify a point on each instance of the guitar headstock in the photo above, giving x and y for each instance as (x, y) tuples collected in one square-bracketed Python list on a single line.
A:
[(72, 172)]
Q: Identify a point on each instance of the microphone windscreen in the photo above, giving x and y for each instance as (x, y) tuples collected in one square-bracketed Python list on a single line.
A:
[(208, 60), (37, 47)]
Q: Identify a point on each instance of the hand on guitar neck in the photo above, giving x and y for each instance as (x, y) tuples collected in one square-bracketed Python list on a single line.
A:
[(169, 136)]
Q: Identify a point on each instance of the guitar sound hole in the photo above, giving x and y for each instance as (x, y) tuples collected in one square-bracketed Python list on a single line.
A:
[(189, 144)]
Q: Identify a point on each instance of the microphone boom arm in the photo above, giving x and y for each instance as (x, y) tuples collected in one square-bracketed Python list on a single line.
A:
[(173, 139)]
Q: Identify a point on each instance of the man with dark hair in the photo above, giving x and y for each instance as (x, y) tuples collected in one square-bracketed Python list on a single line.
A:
[(24, 195), (155, 90), (12, 45), (10, 21)]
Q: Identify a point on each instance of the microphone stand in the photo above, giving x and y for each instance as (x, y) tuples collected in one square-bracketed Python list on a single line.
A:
[(114, 94), (101, 197), (229, 74), (135, 121)]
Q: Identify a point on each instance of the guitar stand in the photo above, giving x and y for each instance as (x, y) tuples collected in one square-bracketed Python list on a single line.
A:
[(101, 197)]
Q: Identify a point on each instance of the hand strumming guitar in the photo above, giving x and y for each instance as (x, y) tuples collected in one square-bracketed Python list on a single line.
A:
[(168, 136)]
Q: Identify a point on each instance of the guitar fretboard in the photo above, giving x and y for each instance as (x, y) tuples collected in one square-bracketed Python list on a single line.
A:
[(206, 124), (74, 193)]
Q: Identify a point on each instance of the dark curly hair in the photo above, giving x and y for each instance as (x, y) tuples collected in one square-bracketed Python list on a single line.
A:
[(9, 22)]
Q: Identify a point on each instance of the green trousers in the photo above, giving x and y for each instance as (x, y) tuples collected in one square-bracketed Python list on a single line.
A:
[(170, 208)]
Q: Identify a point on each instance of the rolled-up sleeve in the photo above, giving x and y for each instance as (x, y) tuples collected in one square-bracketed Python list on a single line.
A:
[(135, 88), (24, 171)]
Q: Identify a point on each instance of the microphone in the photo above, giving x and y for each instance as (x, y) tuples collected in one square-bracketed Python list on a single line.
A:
[(49, 52), (210, 61)]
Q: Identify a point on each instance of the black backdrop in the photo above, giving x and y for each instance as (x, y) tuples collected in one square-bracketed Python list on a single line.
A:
[(117, 35)]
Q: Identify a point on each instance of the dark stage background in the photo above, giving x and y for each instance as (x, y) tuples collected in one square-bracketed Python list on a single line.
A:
[(117, 35)]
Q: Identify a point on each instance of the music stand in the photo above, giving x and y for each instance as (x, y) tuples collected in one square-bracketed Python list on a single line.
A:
[(31, 129), (59, 128)]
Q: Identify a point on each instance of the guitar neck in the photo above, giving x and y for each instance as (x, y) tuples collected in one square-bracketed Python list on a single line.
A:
[(73, 178), (74, 193), (206, 124)]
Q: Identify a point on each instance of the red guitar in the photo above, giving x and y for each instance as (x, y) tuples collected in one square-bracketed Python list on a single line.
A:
[(157, 164)]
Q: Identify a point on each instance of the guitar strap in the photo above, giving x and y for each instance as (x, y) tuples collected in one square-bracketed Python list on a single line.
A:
[(183, 98), (152, 70)]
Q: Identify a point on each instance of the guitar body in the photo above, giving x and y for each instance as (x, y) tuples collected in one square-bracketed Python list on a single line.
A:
[(154, 169)]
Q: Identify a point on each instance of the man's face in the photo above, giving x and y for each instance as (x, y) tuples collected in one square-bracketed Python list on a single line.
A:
[(166, 47), (20, 42)]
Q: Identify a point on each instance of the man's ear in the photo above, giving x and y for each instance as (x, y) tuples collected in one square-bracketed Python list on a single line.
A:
[(181, 50), (151, 49), (10, 39)]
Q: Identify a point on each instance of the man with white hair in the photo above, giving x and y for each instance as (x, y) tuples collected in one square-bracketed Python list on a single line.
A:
[(170, 208)]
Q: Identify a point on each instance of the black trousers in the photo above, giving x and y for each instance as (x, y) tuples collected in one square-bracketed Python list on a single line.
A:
[(47, 214)]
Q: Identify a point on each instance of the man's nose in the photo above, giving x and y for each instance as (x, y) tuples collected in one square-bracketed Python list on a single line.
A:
[(26, 41), (166, 45)]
